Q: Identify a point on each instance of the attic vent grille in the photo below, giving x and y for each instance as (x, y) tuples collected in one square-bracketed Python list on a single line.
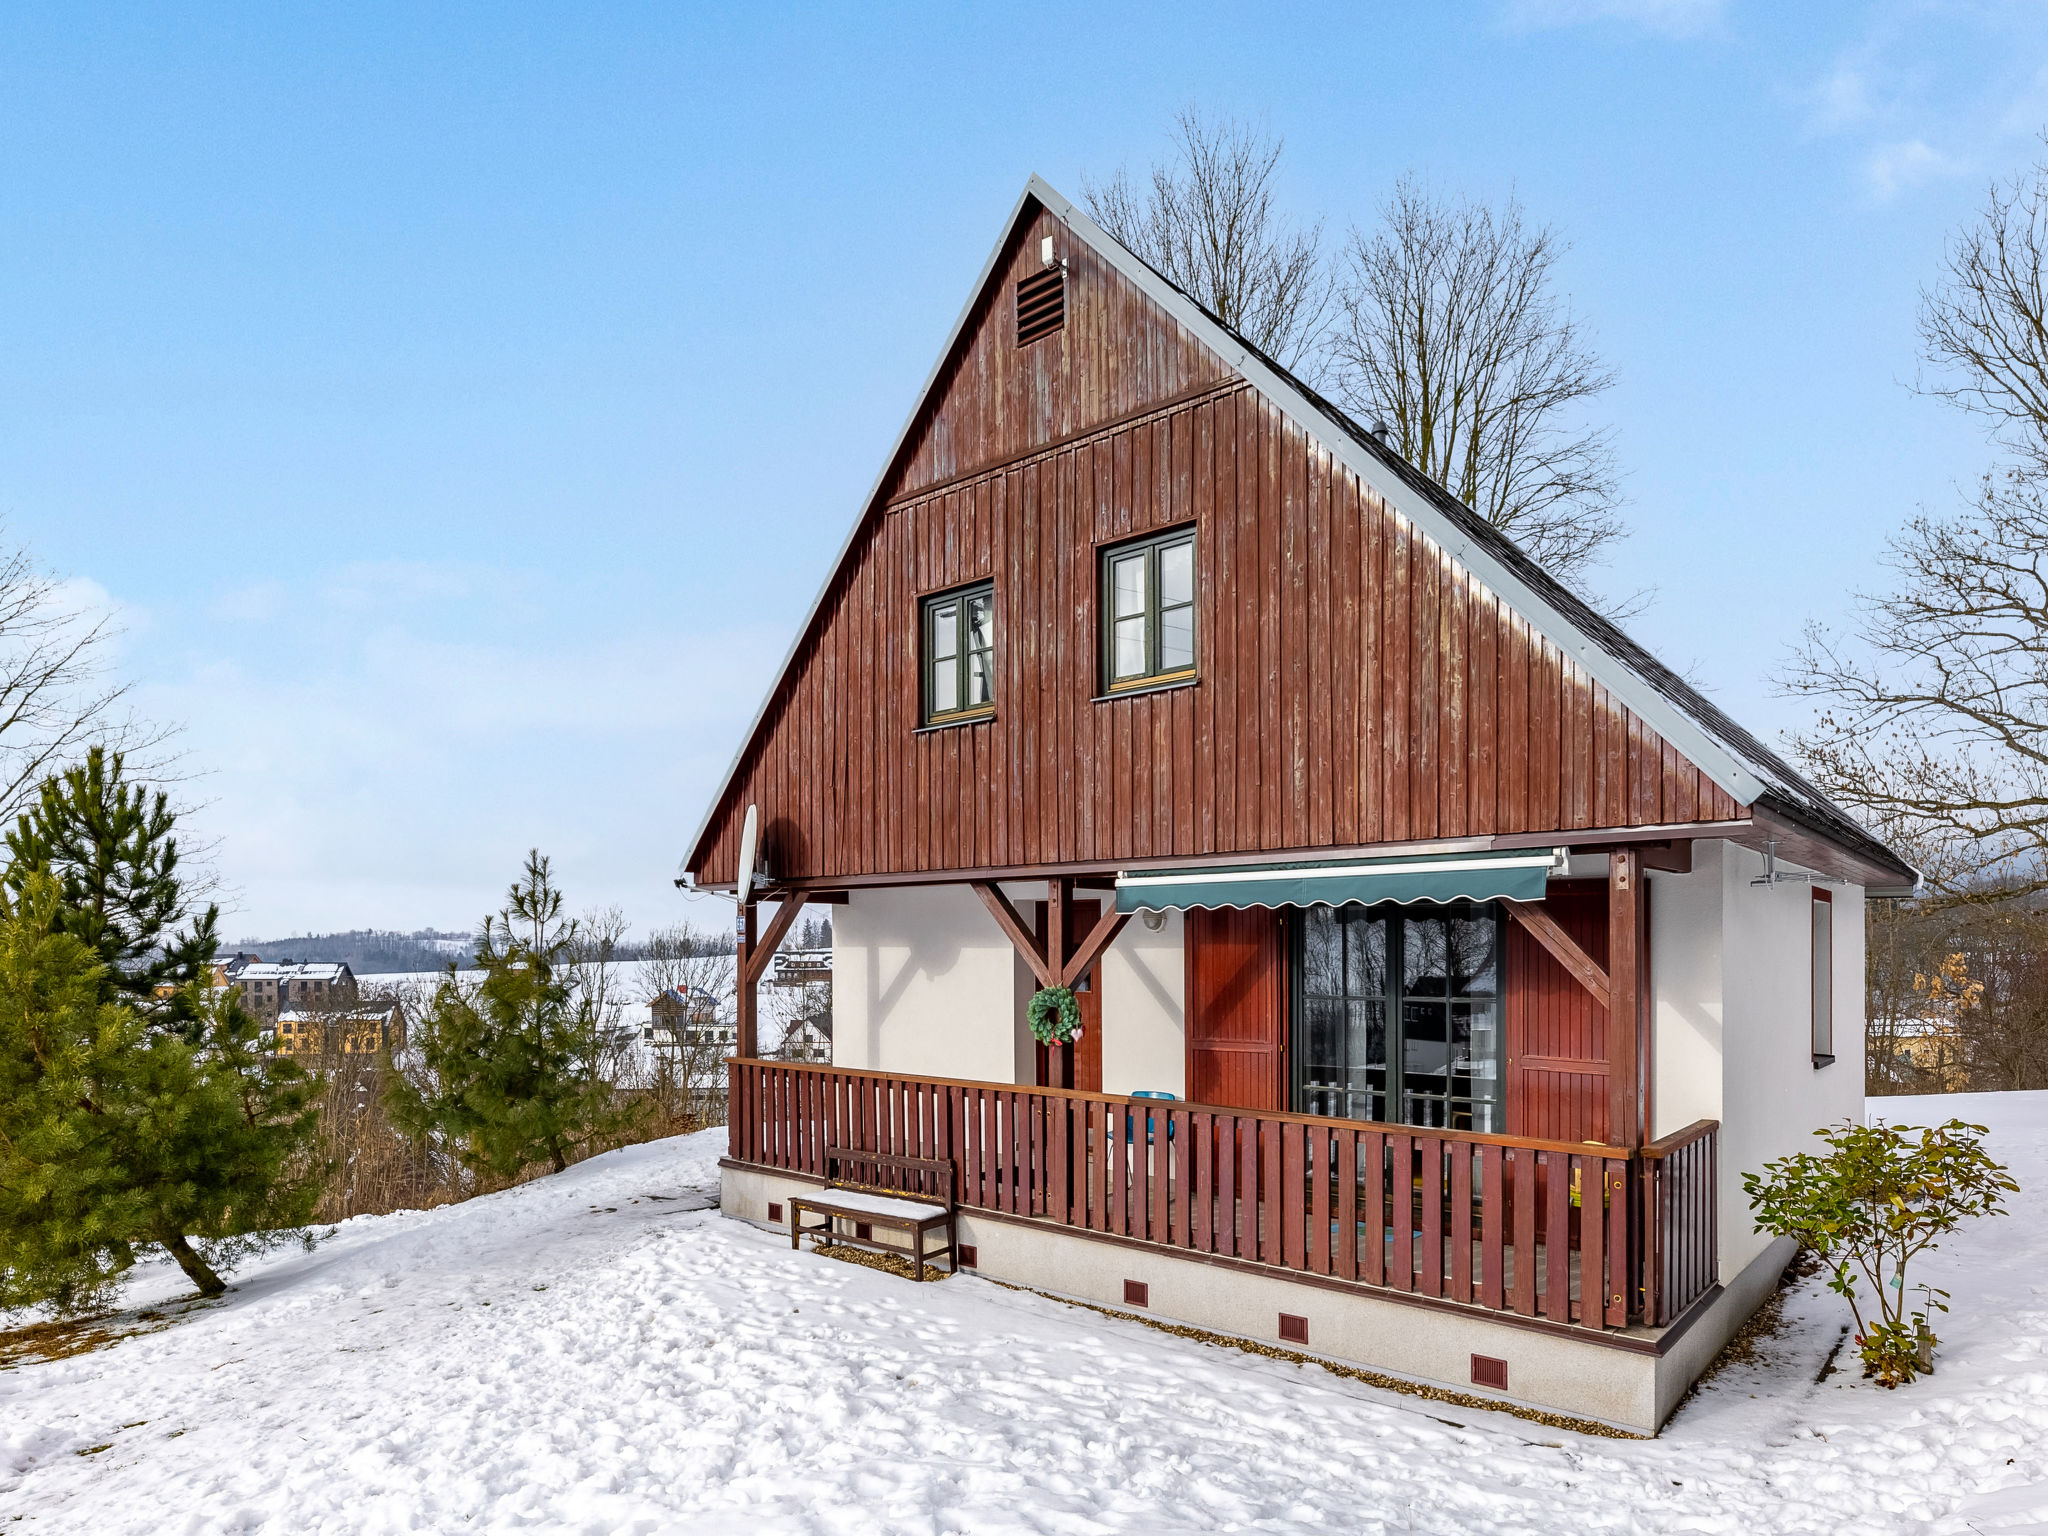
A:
[(1041, 304)]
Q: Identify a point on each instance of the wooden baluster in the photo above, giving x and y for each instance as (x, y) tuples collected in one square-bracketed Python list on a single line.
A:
[(1557, 1303), (1202, 1215), (1374, 1237), (1247, 1187), (1524, 1196), (1271, 1201), (1179, 1150), (1461, 1220), (1319, 1183), (1225, 1227), (1344, 1203), (1290, 1199), (1493, 1218), (1592, 1180), (1401, 1175), (1431, 1151)]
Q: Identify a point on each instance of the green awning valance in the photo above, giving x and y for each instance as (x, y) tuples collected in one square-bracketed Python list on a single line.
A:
[(1515, 876)]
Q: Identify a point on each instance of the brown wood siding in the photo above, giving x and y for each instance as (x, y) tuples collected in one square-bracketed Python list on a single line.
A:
[(1237, 1008), (1117, 354), (1356, 684), (1553, 1025)]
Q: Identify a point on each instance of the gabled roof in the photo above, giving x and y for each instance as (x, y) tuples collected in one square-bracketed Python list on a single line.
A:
[(1729, 755)]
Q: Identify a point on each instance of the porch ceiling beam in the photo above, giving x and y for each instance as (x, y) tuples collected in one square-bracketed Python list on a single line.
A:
[(1015, 928), (1099, 938), (1537, 922), (754, 964)]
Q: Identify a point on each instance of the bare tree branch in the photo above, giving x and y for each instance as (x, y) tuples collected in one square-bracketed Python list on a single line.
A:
[(1207, 221), (1449, 331)]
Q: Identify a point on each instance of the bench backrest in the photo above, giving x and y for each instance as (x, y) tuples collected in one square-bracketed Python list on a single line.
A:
[(927, 1178)]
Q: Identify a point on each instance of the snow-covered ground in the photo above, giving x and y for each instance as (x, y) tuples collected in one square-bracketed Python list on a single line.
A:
[(578, 1355)]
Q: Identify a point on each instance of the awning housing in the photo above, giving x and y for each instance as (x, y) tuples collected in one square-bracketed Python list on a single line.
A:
[(1517, 876)]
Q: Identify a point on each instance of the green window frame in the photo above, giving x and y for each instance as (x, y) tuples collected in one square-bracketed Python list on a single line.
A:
[(1148, 611), (1400, 1014), (960, 654)]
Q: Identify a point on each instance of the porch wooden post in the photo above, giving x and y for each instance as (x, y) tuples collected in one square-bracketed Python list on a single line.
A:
[(743, 966), (1625, 897), (1059, 893)]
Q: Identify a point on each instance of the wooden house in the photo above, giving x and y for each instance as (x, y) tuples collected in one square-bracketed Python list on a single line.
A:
[(1443, 958)]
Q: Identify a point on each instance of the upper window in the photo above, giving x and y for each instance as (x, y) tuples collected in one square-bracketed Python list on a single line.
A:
[(1148, 611), (1823, 977), (959, 654)]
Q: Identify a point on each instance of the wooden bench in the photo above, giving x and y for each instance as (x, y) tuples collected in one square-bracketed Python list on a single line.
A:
[(911, 1195)]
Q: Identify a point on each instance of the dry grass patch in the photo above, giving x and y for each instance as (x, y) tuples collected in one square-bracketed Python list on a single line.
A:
[(65, 1337)]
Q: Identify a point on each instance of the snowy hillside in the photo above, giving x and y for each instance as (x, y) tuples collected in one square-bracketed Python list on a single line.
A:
[(599, 1352)]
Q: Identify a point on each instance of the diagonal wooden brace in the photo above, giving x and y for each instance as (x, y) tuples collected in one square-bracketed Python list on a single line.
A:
[(1090, 950), (1537, 922), (754, 963), (1015, 928)]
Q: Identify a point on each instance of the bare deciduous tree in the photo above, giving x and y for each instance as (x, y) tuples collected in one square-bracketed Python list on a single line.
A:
[(55, 696), (1207, 220), (1984, 325), (1449, 330), (1934, 711), (1934, 702)]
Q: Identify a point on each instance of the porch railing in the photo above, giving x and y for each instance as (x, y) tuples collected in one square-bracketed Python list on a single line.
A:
[(1578, 1234)]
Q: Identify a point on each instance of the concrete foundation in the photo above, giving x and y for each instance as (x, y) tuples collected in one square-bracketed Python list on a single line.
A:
[(1630, 1381)]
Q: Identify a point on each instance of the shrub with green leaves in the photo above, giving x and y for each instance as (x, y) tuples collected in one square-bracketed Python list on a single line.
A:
[(1876, 1199)]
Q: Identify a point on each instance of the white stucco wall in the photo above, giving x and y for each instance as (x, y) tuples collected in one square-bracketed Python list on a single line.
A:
[(1687, 1007), (1144, 1010), (1731, 973), (924, 982)]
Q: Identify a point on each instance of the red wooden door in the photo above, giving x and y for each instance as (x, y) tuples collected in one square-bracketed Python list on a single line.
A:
[(1556, 1033), (1237, 1008), (1079, 1065)]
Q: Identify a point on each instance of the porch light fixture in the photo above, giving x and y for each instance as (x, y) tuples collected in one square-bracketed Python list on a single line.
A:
[(1152, 918)]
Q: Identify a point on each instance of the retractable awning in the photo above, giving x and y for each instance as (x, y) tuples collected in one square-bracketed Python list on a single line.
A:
[(1516, 876)]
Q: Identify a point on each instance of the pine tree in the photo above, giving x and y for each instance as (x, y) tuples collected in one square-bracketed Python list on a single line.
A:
[(114, 1135), (507, 1069), (112, 847)]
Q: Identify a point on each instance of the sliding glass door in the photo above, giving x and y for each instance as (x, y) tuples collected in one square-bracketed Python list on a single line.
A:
[(1398, 1015)]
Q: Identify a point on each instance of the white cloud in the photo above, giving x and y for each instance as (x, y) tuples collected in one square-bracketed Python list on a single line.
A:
[(387, 765), (1895, 168), (1662, 18), (1843, 98)]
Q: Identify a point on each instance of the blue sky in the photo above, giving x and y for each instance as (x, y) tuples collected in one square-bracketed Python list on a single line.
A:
[(459, 407)]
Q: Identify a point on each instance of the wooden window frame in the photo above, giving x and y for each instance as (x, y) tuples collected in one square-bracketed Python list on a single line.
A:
[(1394, 1000), (1821, 1018), (1154, 675), (927, 611)]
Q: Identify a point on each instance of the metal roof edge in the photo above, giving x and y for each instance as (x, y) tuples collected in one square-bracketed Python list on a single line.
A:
[(867, 506), (1637, 692)]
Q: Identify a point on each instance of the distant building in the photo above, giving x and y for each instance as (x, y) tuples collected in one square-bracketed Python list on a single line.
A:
[(689, 1016), (807, 1026), (269, 989), (358, 1029)]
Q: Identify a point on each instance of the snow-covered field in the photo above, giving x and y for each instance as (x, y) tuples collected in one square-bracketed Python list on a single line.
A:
[(578, 1355)]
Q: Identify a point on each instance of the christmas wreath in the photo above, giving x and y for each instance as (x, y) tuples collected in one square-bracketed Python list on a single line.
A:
[(1054, 1015)]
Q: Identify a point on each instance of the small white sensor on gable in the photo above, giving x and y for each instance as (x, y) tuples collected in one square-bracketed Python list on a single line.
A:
[(1045, 257)]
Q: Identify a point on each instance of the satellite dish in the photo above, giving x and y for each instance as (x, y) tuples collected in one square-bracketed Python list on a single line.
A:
[(750, 836)]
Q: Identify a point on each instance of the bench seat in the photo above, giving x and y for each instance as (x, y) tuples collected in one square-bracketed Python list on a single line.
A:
[(890, 1206), (862, 1202)]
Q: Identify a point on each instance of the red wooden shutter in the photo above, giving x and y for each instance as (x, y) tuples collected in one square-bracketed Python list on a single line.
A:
[(1237, 1008), (1557, 1034)]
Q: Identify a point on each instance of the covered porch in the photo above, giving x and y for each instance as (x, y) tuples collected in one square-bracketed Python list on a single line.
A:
[(1599, 1240)]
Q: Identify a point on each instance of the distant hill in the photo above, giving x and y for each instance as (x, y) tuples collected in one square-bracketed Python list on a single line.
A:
[(366, 951)]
